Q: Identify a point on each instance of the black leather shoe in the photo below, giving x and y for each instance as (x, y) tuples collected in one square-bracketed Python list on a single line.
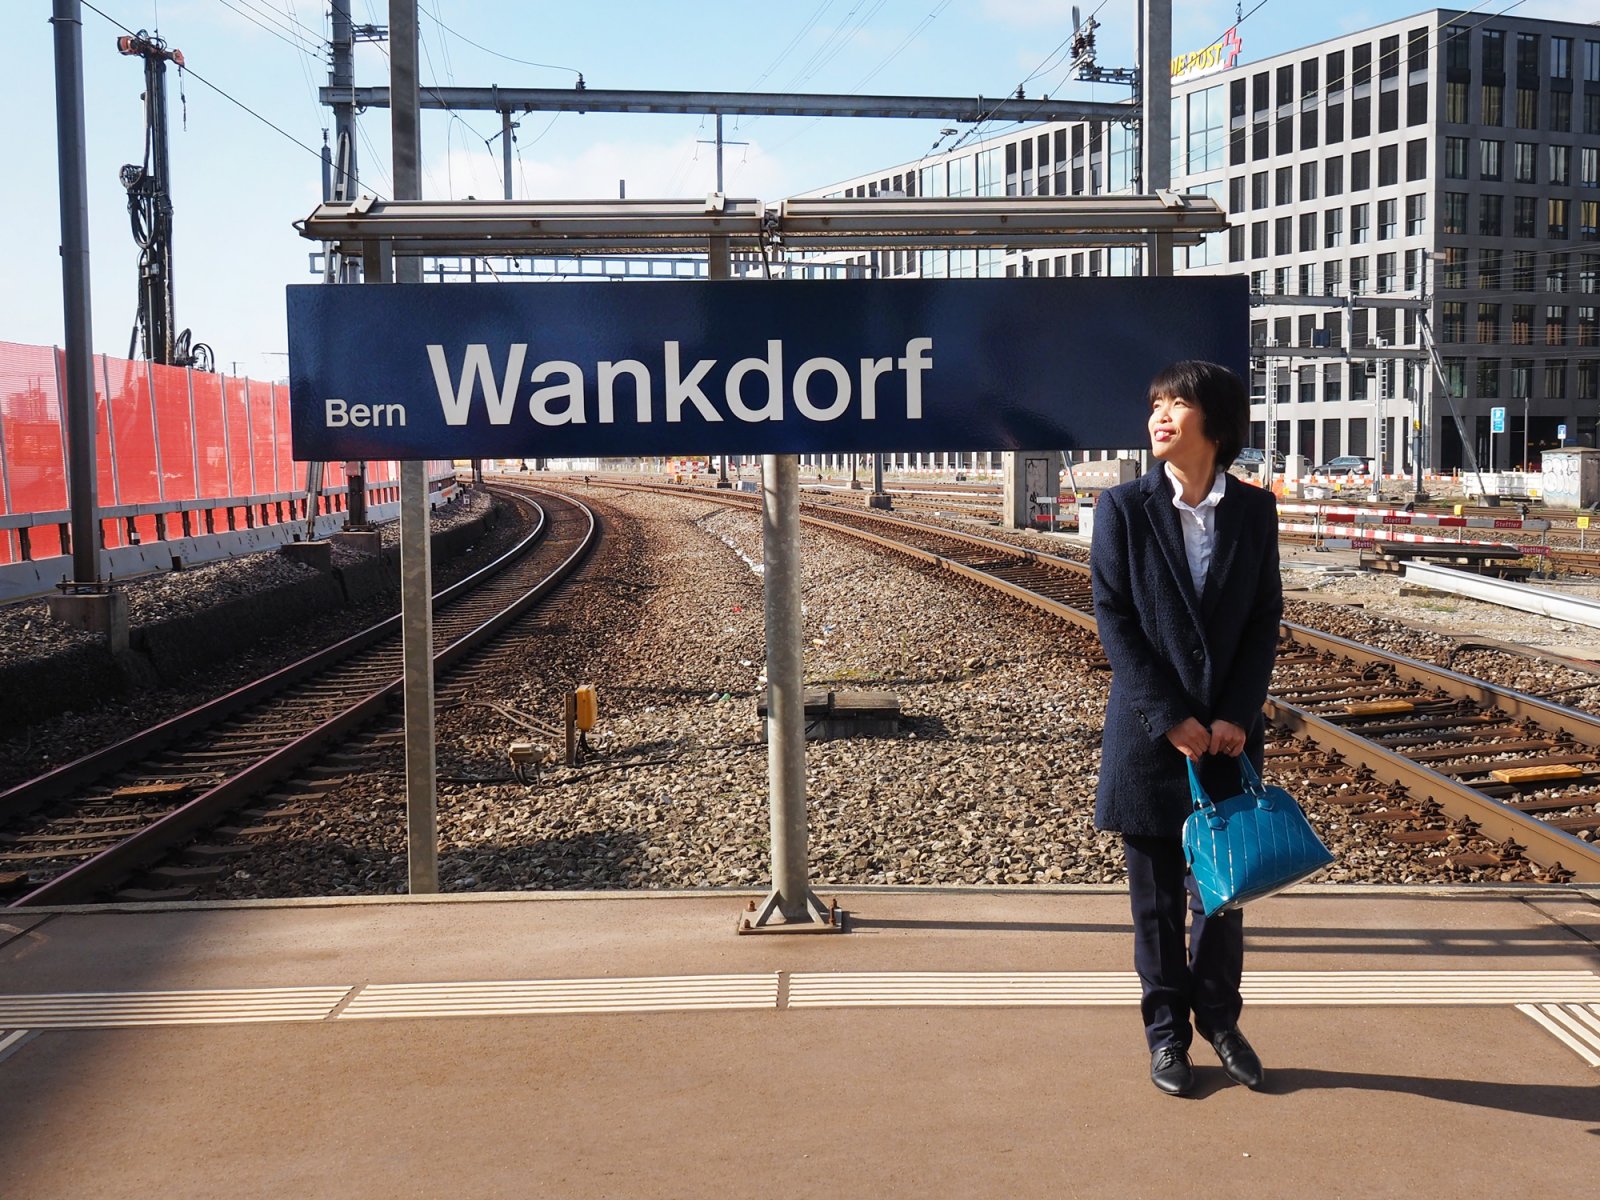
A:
[(1238, 1059), (1170, 1070)]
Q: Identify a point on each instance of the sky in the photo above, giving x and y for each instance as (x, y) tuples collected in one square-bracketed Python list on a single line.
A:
[(246, 128)]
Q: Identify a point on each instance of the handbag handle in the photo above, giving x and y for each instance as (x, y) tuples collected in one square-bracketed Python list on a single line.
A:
[(1248, 777)]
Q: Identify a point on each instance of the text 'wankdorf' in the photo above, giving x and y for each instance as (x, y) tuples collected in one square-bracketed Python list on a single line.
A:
[(559, 392)]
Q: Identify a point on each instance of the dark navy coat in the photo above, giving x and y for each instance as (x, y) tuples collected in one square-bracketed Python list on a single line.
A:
[(1174, 654)]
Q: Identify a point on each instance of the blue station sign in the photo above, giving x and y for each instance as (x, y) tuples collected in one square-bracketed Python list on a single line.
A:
[(741, 366)]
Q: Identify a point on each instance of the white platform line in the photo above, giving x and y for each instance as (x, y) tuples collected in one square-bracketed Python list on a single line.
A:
[(1566, 1029), (13, 1041)]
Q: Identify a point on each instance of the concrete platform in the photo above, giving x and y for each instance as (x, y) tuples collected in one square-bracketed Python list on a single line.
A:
[(953, 1043)]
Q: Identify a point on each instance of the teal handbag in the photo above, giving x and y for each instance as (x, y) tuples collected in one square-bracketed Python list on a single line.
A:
[(1250, 845)]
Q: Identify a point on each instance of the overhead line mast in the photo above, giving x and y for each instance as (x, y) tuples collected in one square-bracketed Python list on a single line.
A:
[(150, 211)]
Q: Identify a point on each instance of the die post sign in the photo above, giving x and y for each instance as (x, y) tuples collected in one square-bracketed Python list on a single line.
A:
[(739, 366)]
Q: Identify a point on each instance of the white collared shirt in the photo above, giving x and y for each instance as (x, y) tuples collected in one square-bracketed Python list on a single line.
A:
[(1199, 523)]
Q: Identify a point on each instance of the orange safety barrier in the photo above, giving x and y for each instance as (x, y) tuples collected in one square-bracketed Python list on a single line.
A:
[(164, 435)]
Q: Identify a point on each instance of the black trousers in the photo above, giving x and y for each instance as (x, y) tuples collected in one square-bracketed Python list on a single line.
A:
[(1201, 978)]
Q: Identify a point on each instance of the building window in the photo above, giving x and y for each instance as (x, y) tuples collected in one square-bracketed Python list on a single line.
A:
[(1588, 379), (1258, 239), (1208, 122), (1489, 270), (1555, 325), (1488, 378), (1332, 276), (1588, 330), (1453, 269), (1522, 271), (1387, 277), (1283, 185), (1453, 218), (1561, 58), (1455, 158), (1522, 324), (1494, 105), (1488, 324), (1589, 274), (1453, 322), (1236, 243), (1455, 377), (1527, 54), (1494, 50), (1258, 190), (1589, 221), (1521, 378), (1588, 167), (1283, 235), (1556, 218), (1416, 160), (1333, 176), (1561, 166), (1561, 112), (1489, 223), (1416, 214), (1360, 223), (1523, 157), (1413, 266), (1387, 215), (1591, 61), (1527, 108), (1455, 103), (1308, 234), (1358, 276), (1388, 166), (1522, 219), (1555, 275), (1308, 181), (1591, 112), (1360, 171), (1555, 379), (1489, 159)]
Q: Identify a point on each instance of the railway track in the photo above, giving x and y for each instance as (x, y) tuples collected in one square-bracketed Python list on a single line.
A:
[(1399, 732), (85, 827)]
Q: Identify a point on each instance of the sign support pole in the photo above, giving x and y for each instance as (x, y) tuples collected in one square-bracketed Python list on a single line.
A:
[(791, 903), (416, 568)]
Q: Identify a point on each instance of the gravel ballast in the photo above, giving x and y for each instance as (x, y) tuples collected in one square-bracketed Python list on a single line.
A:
[(991, 780)]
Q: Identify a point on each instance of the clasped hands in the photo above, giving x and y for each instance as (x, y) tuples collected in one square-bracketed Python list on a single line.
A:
[(1193, 740)]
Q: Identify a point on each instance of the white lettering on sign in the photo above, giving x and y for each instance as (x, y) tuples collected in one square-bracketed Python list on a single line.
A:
[(564, 397), (337, 414)]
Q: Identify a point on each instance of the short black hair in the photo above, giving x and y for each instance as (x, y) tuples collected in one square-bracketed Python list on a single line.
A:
[(1221, 396)]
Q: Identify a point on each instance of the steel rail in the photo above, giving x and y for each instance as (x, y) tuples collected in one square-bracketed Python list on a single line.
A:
[(1543, 844), (29, 795), (116, 862)]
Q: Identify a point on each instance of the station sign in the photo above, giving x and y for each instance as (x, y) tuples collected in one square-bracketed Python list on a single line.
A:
[(1497, 419), (1221, 55), (740, 366)]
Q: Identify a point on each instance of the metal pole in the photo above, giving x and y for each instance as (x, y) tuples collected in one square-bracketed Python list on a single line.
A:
[(67, 18), (791, 898), (506, 149), (416, 574), (1155, 116), (719, 152)]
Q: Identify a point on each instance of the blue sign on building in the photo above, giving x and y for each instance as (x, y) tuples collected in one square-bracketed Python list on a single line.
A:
[(774, 367), (1497, 419)]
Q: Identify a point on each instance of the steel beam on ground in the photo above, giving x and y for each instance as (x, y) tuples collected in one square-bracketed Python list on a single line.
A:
[(967, 109)]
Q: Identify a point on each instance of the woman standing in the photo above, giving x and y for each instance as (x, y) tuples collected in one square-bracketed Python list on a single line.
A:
[(1188, 599)]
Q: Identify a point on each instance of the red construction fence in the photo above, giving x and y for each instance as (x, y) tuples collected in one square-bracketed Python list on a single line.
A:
[(165, 435)]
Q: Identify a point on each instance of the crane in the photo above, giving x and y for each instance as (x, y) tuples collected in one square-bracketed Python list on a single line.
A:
[(150, 210)]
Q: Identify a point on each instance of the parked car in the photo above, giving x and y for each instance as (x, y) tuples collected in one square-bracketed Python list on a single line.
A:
[(1346, 464), (1253, 456)]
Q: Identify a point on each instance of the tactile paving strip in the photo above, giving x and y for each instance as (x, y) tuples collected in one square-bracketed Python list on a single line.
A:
[(227, 1006), (512, 998), (1575, 1025)]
